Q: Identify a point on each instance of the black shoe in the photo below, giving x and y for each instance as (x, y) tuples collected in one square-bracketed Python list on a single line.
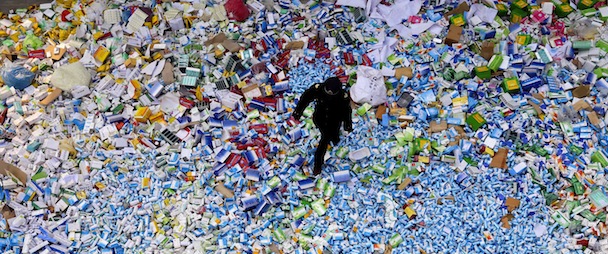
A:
[(335, 141), (317, 171)]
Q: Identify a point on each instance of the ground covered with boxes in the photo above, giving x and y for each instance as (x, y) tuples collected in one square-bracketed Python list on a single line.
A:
[(165, 126)]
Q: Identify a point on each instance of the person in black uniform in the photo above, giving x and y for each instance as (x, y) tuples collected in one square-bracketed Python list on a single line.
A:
[(331, 111)]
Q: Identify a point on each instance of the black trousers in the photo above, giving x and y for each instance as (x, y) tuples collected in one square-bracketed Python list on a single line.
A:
[(330, 132)]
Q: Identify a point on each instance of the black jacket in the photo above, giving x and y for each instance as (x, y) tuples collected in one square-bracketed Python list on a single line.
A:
[(331, 110)]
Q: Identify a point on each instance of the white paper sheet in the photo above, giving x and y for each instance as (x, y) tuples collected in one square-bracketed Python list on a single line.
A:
[(176, 24), (486, 14), (149, 69), (116, 31), (49, 13), (401, 10), (81, 31), (171, 14), (352, 3), (435, 29), (46, 6), (382, 49), (137, 20), (387, 71), (6, 23), (159, 68), (404, 31), (420, 27), (112, 16), (370, 7)]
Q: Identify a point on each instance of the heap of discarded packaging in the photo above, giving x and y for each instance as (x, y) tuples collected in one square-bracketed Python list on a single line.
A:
[(137, 126)]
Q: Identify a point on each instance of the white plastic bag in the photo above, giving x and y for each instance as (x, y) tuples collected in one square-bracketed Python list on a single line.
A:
[(68, 76), (369, 87)]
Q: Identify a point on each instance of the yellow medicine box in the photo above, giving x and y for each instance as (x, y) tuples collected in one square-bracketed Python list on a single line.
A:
[(142, 114)]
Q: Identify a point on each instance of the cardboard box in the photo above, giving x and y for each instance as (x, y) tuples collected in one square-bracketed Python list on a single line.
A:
[(438, 126), (251, 91), (167, 73), (512, 204), (487, 50), (274, 248), (228, 44), (580, 105), (293, 45), (454, 34), (406, 182), (581, 91), (223, 190), (538, 96), (8, 169), (440, 200), (397, 112), (403, 71), (381, 110), (231, 46), (500, 159), (51, 97), (577, 63), (460, 9), (55, 54), (10, 54), (497, 73), (537, 108), (8, 213), (458, 128), (389, 249), (593, 119), (506, 219)]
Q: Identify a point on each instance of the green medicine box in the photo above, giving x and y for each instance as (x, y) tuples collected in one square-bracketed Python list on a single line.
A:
[(524, 39), (517, 15), (591, 12), (550, 198), (483, 72), (576, 150), (495, 62), (599, 199), (585, 4), (420, 144), (520, 4), (510, 85), (588, 215), (599, 157), (458, 20), (502, 10), (563, 10), (577, 186), (540, 151), (561, 219), (475, 121), (461, 75), (602, 44)]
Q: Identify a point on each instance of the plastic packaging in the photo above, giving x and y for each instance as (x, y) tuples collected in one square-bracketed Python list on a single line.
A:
[(68, 76), (236, 10), (32, 41), (369, 87), (17, 76)]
